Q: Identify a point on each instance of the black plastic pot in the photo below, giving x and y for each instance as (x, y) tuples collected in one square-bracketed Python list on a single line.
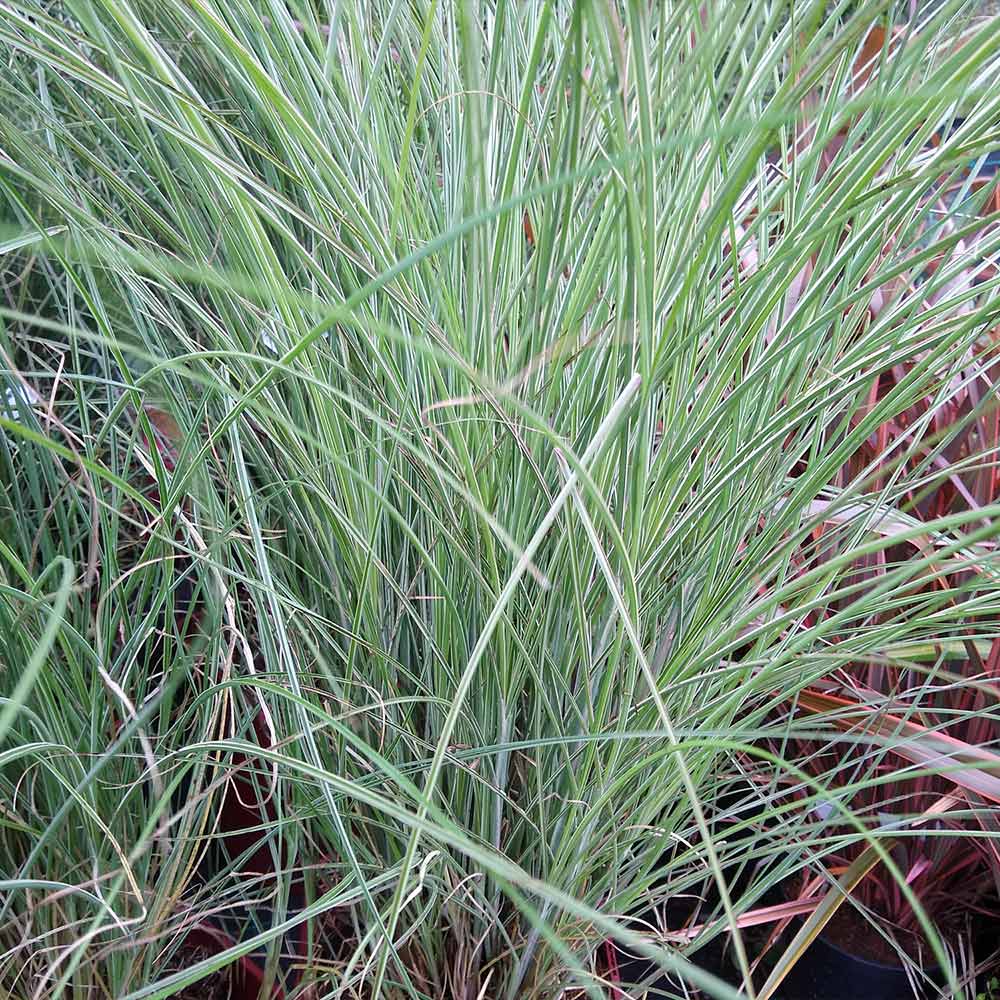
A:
[(630, 971), (826, 972), (695, 906)]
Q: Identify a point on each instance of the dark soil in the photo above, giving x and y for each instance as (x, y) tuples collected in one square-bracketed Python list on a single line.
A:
[(217, 986), (851, 932)]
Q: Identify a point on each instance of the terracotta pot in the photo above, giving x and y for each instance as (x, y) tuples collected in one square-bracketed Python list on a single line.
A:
[(239, 814), (246, 978)]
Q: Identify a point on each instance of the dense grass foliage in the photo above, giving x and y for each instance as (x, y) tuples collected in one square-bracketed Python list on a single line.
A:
[(433, 420)]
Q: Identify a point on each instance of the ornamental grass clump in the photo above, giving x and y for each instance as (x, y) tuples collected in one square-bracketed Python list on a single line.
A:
[(416, 416)]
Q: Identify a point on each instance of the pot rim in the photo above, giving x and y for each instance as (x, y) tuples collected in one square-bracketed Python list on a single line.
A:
[(872, 963)]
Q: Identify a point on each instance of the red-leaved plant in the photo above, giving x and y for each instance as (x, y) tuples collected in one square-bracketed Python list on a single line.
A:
[(948, 864), (916, 728)]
